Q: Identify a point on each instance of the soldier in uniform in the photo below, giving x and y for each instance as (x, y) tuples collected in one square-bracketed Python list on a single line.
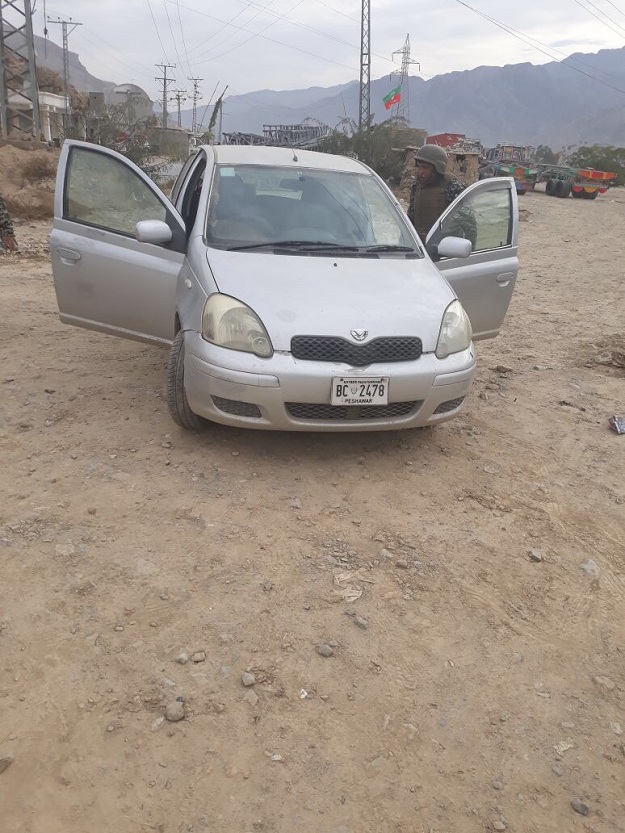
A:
[(7, 235), (433, 189)]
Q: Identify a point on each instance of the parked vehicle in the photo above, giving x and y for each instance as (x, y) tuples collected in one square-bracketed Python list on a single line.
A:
[(290, 287), (562, 180), (582, 183)]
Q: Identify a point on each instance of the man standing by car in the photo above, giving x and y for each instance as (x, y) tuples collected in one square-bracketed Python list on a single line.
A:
[(7, 235), (433, 189)]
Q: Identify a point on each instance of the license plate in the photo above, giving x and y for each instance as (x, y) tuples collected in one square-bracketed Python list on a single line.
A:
[(347, 391)]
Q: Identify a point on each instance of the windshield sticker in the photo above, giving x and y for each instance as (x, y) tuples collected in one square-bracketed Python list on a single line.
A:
[(227, 172)]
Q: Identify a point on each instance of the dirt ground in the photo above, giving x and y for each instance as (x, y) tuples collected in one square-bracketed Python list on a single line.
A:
[(468, 580)]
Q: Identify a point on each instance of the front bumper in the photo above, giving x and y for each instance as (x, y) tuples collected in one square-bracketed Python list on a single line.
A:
[(287, 394)]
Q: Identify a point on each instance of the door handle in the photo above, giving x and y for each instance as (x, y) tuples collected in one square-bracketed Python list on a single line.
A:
[(68, 255), (505, 278)]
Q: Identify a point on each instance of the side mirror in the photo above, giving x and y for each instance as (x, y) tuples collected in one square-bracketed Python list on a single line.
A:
[(454, 247), (153, 231)]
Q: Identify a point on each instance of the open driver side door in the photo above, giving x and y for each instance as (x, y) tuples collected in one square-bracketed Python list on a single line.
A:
[(105, 279)]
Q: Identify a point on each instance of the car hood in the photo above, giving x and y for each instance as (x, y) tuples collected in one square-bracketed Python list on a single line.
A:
[(303, 295)]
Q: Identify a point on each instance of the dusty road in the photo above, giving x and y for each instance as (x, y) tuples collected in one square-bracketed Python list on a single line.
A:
[(470, 687)]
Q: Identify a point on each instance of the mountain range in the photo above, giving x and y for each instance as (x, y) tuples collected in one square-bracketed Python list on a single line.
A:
[(579, 100)]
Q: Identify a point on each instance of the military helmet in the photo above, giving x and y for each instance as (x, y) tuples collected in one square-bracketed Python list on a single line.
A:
[(433, 155)]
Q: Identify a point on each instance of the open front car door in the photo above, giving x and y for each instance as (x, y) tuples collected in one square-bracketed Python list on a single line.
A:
[(487, 214), (104, 277)]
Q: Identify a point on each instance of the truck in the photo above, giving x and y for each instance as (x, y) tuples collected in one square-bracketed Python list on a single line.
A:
[(507, 159), (582, 183)]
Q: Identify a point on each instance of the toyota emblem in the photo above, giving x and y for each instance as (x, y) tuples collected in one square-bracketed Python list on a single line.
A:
[(359, 335)]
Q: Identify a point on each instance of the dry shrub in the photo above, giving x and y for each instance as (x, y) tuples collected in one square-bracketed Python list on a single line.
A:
[(34, 202), (38, 166), (27, 181)]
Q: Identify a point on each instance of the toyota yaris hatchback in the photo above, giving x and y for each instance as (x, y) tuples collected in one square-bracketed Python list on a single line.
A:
[(290, 286)]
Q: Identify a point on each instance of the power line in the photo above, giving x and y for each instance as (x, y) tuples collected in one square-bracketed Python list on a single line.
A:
[(621, 32), (126, 63), (614, 6), (158, 34), (278, 18), (173, 39), (184, 42), (242, 29), (227, 23), (338, 11), (521, 37)]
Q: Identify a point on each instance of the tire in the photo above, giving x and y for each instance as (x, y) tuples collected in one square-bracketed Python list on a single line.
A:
[(177, 403), (549, 188), (591, 196), (578, 195), (566, 188), (558, 189)]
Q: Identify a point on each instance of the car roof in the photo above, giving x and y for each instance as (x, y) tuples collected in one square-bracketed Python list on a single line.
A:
[(284, 157)]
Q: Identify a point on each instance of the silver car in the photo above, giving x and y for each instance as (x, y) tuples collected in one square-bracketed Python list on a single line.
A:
[(290, 287)]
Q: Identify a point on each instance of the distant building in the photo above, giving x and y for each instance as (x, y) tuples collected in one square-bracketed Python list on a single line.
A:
[(445, 140), (51, 113), (457, 141), (306, 136), (138, 103)]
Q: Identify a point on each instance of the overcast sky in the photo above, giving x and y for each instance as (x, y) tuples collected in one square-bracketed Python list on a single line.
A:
[(290, 44)]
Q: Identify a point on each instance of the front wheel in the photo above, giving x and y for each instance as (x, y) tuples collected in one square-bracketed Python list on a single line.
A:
[(177, 403)]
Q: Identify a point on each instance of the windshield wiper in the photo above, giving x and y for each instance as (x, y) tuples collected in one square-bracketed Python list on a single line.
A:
[(388, 248), (304, 245)]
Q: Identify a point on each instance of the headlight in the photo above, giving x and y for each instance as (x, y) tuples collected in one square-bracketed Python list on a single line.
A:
[(456, 333), (229, 323)]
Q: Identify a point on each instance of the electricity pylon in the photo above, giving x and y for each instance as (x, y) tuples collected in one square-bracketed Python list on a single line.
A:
[(364, 109), (19, 101), (402, 111)]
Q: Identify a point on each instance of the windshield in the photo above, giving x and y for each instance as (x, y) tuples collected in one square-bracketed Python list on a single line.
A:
[(254, 207)]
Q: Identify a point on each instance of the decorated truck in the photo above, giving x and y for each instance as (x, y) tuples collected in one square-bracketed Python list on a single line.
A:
[(582, 183), (561, 180)]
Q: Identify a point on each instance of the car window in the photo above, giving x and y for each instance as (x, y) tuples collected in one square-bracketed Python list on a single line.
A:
[(102, 191), (485, 218), (253, 203)]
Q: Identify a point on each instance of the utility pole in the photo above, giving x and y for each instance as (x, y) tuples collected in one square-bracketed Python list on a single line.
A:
[(196, 96), (179, 96), (64, 24), (402, 112), (19, 100), (364, 111), (166, 82)]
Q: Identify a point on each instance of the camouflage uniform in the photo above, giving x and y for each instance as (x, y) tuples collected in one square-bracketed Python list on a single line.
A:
[(7, 235), (428, 203)]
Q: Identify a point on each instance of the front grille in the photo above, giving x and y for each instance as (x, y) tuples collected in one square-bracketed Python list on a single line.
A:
[(236, 408), (450, 405), (335, 349), (312, 411)]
